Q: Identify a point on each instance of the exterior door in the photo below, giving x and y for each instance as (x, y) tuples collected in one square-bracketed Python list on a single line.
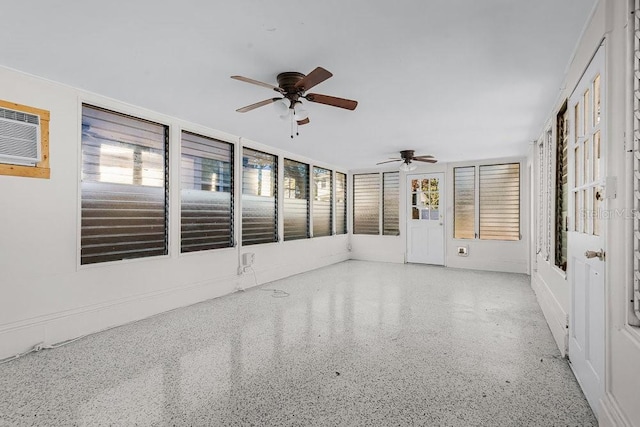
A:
[(586, 263), (425, 218)]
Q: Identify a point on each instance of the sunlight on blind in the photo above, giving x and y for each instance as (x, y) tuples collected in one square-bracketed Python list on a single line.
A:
[(206, 193), (500, 202), (464, 202), (390, 203), (366, 203), (296, 200), (123, 189), (322, 202), (341, 203), (259, 201)]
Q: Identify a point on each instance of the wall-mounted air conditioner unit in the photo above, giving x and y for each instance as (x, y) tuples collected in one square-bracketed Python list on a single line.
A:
[(19, 137)]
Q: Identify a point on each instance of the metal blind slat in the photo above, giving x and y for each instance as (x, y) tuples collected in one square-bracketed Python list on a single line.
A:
[(500, 202), (206, 215), (322, 202), (259, 191), (390, 203), (123, 189), (296, 200), (366, 204), (341, 203), (464, 205)]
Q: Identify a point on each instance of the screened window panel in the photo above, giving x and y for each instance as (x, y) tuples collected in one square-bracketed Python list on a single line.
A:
[(296, 200), (562, 191), (322, 202), (464, 202), (259, 197), (500, 202), (391, 203), (206, 175), (124, 197), (341, 203), (366, 203)]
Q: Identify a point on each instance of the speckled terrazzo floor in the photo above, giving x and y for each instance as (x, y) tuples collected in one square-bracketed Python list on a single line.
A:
[(356, 343)]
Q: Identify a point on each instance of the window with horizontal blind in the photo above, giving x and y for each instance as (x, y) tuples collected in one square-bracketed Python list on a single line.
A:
[(296, 200), (562, 188), (206, 177), (464, 206), (341, 203), (259, 197), (500, 202), (366, 203), (124, 187), (390, 203), (322, 202)]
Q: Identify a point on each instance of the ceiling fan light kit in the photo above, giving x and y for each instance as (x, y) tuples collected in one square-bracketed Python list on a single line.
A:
[(407, 157), (293, 86)]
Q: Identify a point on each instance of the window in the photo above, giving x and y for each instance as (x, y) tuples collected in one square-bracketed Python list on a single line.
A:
[(634, 290), (390, 203), (322, 202), (500, 202), (10, 114), (498, 198), (366, 203), (296, 200), (259, 197), (562, 190), (206, 176), (124, 187), (464, 207), (341, 203)]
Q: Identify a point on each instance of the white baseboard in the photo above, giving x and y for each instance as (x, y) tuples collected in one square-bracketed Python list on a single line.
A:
[(18, 337), (610, 414), (556, 317)]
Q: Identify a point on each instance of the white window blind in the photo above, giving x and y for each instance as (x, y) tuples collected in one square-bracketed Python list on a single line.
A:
[(341, 203), (259, 197), (322, 202), (124, 188), (296, 200), (500, 202), (390, 203), (366, 203), (464, 206), (206, 173)]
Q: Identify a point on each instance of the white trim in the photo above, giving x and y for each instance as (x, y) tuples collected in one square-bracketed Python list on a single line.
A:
[(556, 317)]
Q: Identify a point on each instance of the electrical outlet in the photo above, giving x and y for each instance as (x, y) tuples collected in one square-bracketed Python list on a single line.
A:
[(248, 258), (463, 250)]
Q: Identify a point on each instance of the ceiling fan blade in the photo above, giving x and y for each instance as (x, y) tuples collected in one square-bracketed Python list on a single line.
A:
[(257, 105), (303, 121), (424, 157), (425, 160), (389, 161), (347, 104), (256, 82), (313, 78)]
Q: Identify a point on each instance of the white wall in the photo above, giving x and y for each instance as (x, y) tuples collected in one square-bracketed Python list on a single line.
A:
[(613, 22), (45, 296), (506, 256)]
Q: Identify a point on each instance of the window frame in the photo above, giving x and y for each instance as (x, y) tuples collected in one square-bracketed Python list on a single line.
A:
[(314, 189), (276, 196), (477, 198), (119, 111), (285, 189)]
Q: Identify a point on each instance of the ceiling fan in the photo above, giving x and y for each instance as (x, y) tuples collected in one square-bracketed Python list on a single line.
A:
[(407, 156), (293, 87)]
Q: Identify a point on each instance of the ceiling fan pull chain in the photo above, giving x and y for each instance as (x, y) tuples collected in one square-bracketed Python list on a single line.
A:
[(292, 119)]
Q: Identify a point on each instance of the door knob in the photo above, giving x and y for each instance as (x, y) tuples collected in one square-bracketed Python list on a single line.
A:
[(595, 254)]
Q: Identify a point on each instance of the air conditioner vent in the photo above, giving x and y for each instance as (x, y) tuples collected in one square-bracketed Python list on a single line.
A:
[(19, 137)]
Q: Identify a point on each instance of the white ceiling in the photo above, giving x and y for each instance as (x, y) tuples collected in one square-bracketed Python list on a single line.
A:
[(460, 79)]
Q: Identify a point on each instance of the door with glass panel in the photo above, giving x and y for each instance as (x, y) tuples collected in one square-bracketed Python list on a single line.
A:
[(586, 244), (425, 218)]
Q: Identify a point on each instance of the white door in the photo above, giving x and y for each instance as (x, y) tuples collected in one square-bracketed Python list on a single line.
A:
[(425, 218), (585, 238)]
